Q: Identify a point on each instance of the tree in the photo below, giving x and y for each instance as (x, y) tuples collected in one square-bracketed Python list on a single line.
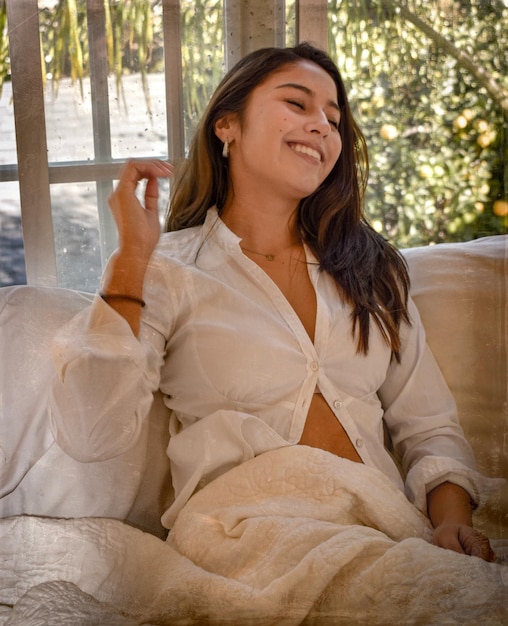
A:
[(428, 82), (432, 102)]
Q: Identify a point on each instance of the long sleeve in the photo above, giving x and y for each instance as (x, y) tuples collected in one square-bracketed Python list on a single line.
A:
[(421, 416), (105, 376)]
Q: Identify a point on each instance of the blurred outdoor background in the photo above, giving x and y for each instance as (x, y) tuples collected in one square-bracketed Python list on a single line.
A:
[(428, 82)]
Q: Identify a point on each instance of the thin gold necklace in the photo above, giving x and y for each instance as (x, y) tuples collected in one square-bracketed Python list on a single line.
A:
[(271, 257)]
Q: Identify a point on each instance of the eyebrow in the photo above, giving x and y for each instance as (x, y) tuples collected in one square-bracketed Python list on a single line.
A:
[(309, 92)]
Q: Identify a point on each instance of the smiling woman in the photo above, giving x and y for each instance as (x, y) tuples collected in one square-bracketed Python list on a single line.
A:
[(276, 325), (263, 141), (275, 299)]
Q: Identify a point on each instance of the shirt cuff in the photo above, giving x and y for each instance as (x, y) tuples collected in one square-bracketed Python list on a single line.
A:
[(102, 331), (431, 471)]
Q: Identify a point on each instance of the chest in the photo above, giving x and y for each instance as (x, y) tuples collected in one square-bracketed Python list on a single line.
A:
[(249, 339), (292, 279)]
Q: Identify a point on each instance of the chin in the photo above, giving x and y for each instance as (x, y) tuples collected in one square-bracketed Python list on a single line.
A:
[(307, 190)]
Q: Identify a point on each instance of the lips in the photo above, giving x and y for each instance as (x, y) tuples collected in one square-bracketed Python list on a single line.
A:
[(302, 148)]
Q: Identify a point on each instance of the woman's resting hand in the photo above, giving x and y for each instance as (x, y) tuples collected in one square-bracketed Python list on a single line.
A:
[(450, 511), (464, 539)]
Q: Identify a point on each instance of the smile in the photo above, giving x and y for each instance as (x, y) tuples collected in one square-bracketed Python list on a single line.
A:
[(298, 147)]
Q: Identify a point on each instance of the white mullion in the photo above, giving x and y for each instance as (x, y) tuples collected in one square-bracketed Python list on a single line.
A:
[(101, 119), (174, 79), (30, 122), (252, 24), (312, 22)]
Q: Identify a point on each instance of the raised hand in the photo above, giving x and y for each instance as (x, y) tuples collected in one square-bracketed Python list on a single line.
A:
[(138, 234), (138, 226)]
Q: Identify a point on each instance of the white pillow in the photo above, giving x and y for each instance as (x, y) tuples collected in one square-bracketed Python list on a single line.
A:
[(36, 476)]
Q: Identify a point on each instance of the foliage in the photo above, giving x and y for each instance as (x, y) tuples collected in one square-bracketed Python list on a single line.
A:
[(4, 44), (428, 82), (202, 55), (436, 137), (129, 39)]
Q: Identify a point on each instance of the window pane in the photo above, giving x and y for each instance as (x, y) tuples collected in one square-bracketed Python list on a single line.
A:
[(12, 261), (7, 130), (76, 228), (138, 119), (203, 63), (69, 132), (12, 257), (434, 131)]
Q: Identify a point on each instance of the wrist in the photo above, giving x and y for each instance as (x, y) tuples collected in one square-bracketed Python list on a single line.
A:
[(449, 504), (124, 275)]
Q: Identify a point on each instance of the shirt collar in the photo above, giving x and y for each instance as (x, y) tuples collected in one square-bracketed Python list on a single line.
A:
[(217, 231)]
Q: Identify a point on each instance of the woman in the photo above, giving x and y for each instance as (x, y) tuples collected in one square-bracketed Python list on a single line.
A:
[(274, 314)]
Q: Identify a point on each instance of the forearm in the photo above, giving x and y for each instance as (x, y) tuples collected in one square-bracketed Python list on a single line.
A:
[(449, 504), (104, 382), (124, 276), (450, 511)]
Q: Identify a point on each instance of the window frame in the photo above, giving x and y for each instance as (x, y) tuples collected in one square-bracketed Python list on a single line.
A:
[(35, 174)]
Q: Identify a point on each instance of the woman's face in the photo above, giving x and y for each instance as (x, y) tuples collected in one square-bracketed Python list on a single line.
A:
[(288, 140)]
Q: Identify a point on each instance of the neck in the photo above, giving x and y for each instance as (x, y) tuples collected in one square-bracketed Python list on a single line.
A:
[(263, 228)]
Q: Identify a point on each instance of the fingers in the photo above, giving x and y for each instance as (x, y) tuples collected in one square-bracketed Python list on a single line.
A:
[(476, 543), (131, 174), (135, 170), (464, 540), (138, 222), (152, 195)]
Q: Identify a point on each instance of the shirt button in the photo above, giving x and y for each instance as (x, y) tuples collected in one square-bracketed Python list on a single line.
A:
[(314, 366), (359, 443), (337, 404)]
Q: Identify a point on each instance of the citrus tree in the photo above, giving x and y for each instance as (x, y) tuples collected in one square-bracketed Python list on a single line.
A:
[(428, 82), (430, 88)]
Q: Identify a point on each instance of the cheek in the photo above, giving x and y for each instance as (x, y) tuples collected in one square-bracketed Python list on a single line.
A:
[(338, 146), (334, 155), (337, 150)]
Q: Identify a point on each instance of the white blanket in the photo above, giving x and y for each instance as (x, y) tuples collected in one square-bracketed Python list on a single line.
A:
[(295, 536)]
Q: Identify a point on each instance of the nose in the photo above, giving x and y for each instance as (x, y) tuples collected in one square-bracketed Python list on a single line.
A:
[(318, 123)]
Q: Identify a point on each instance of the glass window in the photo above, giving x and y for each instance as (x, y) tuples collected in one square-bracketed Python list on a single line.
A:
[(12, 261)]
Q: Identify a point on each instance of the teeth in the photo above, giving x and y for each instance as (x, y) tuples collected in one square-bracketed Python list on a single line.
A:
[(298, 147)]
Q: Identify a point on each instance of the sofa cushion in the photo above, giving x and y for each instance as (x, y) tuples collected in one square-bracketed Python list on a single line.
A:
[(460, 291), (36, 476)]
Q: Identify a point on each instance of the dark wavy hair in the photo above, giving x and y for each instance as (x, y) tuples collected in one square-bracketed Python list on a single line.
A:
[(369, 272)]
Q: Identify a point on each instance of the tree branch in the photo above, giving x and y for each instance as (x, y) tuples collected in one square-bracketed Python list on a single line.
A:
[(465, 60)]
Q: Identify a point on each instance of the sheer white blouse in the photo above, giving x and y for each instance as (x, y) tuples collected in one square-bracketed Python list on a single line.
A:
[(238, 371)]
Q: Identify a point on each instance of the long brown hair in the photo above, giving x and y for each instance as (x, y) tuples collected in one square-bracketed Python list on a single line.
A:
[(371, 275)]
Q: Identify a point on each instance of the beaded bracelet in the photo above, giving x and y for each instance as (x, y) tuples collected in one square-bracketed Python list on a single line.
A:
[(119, 296)]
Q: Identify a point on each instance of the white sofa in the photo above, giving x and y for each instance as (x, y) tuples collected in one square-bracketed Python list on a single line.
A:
[(460, 290)]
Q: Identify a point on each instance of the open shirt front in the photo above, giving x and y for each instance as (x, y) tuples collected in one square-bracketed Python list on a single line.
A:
[(239, 371)]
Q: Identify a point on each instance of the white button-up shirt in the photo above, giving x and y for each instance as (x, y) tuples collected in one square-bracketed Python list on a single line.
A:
[(238, 371)]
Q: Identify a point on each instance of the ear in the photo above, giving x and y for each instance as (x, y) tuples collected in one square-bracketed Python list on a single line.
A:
[(226, 127)]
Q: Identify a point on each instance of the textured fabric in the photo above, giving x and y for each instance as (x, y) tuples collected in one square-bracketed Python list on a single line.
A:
[(461, 291), (36, 476), (239, 371), (294, 536)]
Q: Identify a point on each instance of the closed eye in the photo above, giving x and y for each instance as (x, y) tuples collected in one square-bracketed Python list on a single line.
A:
[(296, 103), (301, 106)]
